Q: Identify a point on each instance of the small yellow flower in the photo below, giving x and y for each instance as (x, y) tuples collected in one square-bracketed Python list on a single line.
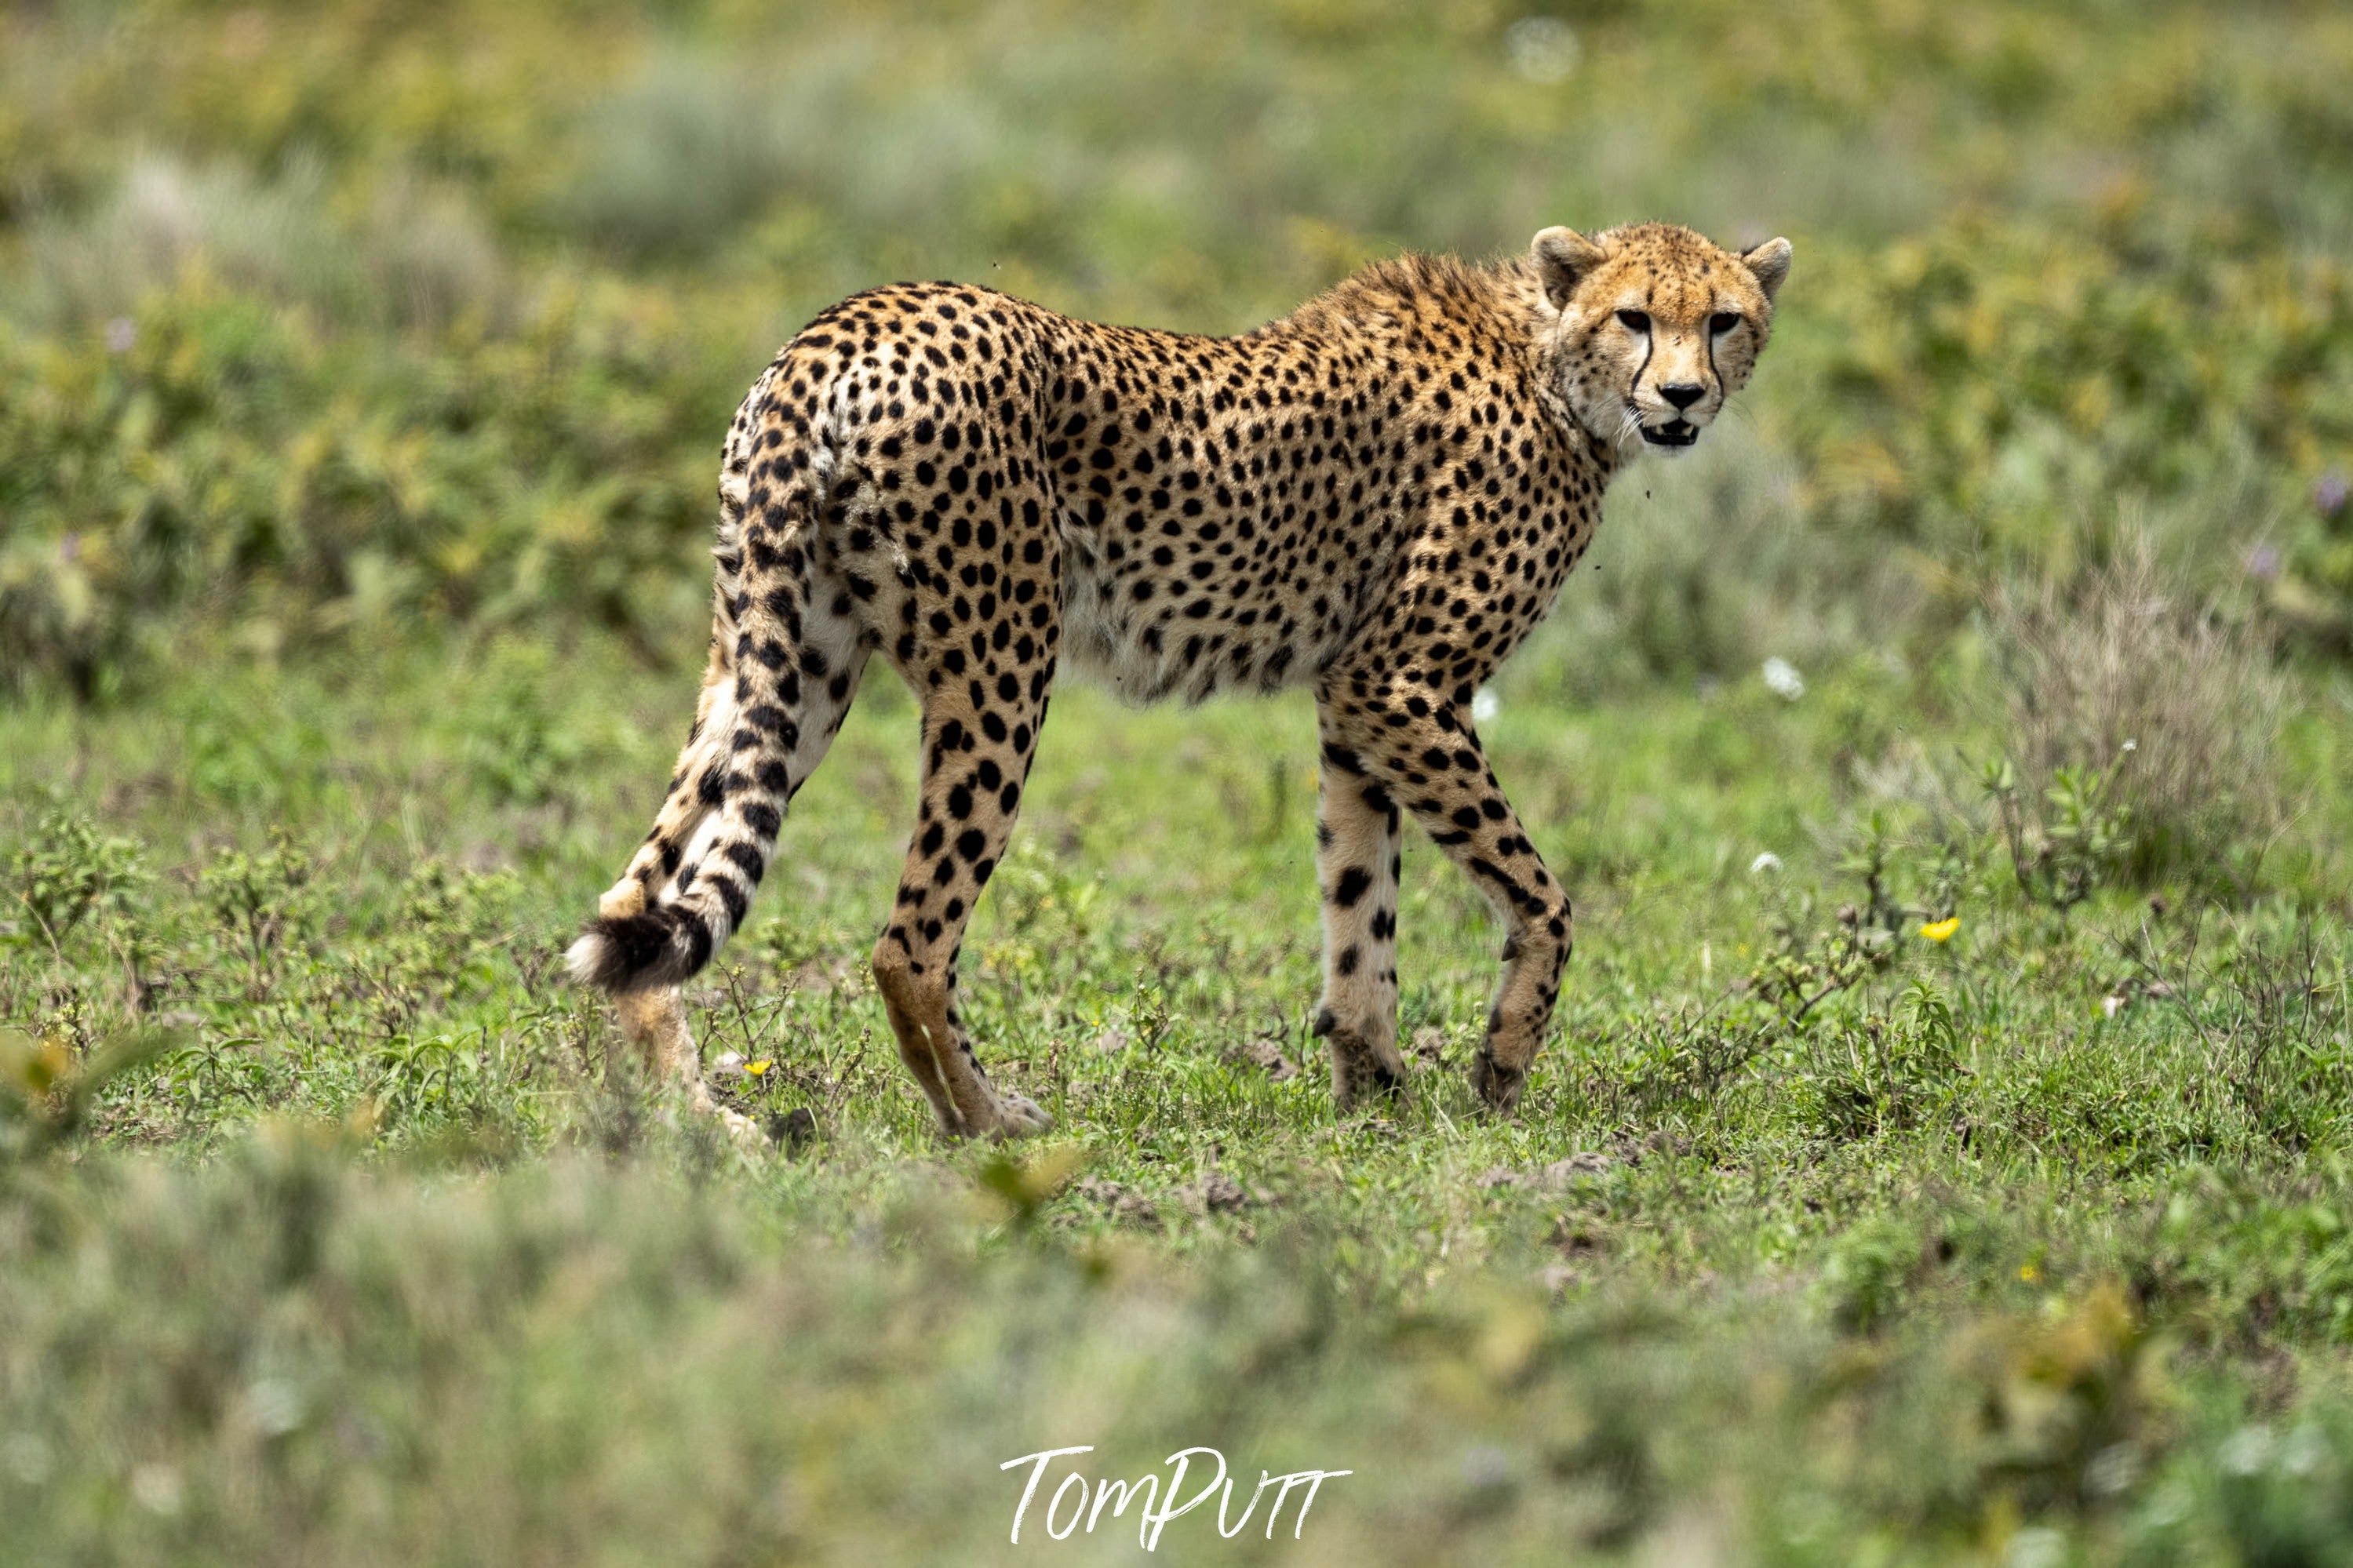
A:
[(2030, 1273), (1943, 930), (754, 1069)]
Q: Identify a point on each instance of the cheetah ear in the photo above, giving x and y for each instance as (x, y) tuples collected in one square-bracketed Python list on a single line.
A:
[(1769, 262), (1563, 257)]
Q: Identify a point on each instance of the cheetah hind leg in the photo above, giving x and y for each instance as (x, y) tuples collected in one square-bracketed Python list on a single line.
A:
[(833, 654), (655, 1022), (972, 777)]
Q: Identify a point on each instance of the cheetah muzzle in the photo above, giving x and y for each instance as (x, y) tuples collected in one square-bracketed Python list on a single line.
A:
[(1377, 497)]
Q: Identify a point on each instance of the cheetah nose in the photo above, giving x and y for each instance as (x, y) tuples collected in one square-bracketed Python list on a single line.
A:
[(1683, 394)]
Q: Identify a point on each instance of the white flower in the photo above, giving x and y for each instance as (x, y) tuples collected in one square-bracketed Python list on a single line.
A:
[(1483, 705), (1783, 678), (1767, 862), (1543, 49)]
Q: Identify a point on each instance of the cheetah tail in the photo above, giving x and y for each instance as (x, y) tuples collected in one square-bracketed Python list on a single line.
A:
[(668, 939)]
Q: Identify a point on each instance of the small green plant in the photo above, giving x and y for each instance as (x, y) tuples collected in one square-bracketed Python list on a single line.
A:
[(67, 872), (1805, 962), (1684, 1059), (446, 936), (2069, 1402), (1870, 859), (2061, 854), (1866, 1079), (1803, 967), (1149, 1017), (2274, 1019), (255, 899), (1020, 1186)]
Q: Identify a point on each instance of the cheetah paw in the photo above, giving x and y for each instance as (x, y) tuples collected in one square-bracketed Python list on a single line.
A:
[(1019, 1116), (1497, 1086), (746, 1132)]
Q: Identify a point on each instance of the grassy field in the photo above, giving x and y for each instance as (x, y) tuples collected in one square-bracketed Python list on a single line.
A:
[(1944, 1152)]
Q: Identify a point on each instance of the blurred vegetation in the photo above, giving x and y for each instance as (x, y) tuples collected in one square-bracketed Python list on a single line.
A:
[(1942, 1151)]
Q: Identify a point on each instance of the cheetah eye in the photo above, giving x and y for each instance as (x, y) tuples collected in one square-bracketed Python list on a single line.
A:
[(1634, 320), (1722, 322)]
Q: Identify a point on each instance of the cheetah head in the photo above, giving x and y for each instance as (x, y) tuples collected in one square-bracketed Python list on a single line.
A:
[(1646, 330)]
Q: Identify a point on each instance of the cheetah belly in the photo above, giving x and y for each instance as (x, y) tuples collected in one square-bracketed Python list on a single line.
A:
[(1095, 645), (1104, 639), (1249, 636)]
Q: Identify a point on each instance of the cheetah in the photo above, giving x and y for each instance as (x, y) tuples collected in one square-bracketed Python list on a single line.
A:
[(1376, 497)]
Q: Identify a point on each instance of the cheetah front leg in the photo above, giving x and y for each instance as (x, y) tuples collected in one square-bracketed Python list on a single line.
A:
[(1415, 743), (1356, 825)]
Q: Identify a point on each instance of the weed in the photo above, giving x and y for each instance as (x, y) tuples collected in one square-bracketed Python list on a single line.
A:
[(67, 871), (2143, 731), (1683, 1060), (255, 899), (2075, 839), (2274, 1019)]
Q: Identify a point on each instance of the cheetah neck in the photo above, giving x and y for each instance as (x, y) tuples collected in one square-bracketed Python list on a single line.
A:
[(1503, 301)]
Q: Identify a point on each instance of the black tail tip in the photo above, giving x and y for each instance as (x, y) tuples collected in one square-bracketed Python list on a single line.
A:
[(625, 952)]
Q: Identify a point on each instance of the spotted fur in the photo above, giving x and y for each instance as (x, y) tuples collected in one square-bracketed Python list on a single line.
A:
[(1376, 497)]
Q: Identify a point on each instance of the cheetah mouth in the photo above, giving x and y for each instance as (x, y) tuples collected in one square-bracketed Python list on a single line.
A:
[(1673, 433)]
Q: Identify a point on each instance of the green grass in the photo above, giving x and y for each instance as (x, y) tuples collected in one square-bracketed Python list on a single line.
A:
[(1954, 1252), (361, 380)]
